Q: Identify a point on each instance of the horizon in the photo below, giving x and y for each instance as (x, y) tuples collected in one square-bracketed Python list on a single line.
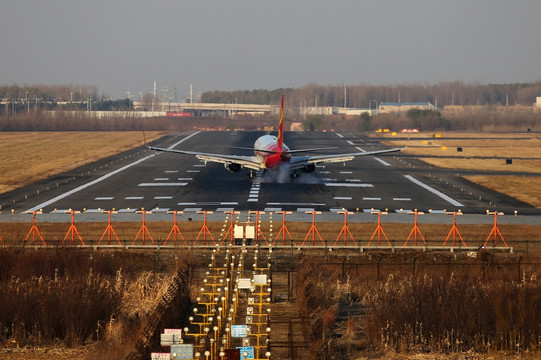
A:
[(253, 45)]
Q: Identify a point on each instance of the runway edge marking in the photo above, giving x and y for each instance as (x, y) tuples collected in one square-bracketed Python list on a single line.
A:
[(434, 191), (106, 176)]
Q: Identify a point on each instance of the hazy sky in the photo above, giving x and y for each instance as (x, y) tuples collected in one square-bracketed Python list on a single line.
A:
[(122, 46)]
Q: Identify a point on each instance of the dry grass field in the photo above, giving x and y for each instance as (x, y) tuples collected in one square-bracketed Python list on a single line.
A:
[(485, 152), (27, 157)]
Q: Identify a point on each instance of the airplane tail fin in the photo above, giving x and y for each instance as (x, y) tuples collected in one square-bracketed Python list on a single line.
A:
[(280, 141)]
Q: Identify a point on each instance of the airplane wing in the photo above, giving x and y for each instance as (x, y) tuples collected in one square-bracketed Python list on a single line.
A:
[(298, 162), (249, 162)]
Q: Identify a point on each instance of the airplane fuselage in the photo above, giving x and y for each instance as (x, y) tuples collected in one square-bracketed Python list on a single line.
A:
[(275, 156)]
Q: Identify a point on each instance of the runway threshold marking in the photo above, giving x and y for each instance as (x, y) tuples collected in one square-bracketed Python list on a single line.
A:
[(434, 191), (100, 179)]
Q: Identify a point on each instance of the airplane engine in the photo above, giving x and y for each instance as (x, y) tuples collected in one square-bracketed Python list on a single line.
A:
[(309, 168), (232, 167)]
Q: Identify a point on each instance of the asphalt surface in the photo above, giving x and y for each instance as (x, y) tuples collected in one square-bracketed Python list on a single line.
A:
[(141, 178)]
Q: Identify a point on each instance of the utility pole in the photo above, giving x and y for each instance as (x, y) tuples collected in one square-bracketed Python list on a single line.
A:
[(345, 94)]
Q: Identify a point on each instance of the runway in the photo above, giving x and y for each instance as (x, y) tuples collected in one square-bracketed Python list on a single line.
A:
[(165, 181)]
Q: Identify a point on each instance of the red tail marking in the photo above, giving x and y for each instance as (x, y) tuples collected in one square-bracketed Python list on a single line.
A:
[(281, 126)]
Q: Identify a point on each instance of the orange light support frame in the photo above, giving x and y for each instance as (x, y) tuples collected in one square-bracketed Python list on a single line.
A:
[(495, 231), (175, 229), (415, 231), (313, 229), (109, 229), (258, 228), (34, 229), (345, 229), (379, 230), (283, 229), (454, 231), (144, 229), (204, 229), (73, 229), (231, 229)]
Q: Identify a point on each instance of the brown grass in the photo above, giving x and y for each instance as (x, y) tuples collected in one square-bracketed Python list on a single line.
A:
[(27, 157), (523, 149), (527, 189), (422, 303)]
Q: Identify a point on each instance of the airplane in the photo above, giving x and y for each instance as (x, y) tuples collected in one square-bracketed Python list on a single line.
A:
[(271, 153)]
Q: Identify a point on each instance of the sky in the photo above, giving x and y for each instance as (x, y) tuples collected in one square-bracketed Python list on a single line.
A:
[(122, 46)]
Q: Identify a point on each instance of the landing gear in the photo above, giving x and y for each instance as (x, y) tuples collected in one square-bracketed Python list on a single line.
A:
[(293, 176), (250, 175)]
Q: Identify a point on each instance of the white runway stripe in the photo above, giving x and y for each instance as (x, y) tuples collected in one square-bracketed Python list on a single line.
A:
[(104, 198), (385, 163), (349, 184), (294, 204), (164, 184), (434, 191)]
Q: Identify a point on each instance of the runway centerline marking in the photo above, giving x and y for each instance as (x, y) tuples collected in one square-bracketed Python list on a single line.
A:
[(434, 191)]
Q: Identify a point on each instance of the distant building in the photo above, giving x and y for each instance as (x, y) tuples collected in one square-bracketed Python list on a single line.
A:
[(320, 110), (388, 107), (351, 111), (538, 102)]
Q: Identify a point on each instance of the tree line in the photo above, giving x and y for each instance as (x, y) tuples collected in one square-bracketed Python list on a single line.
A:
[(355, 96), (50, 93), (370, 96)]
